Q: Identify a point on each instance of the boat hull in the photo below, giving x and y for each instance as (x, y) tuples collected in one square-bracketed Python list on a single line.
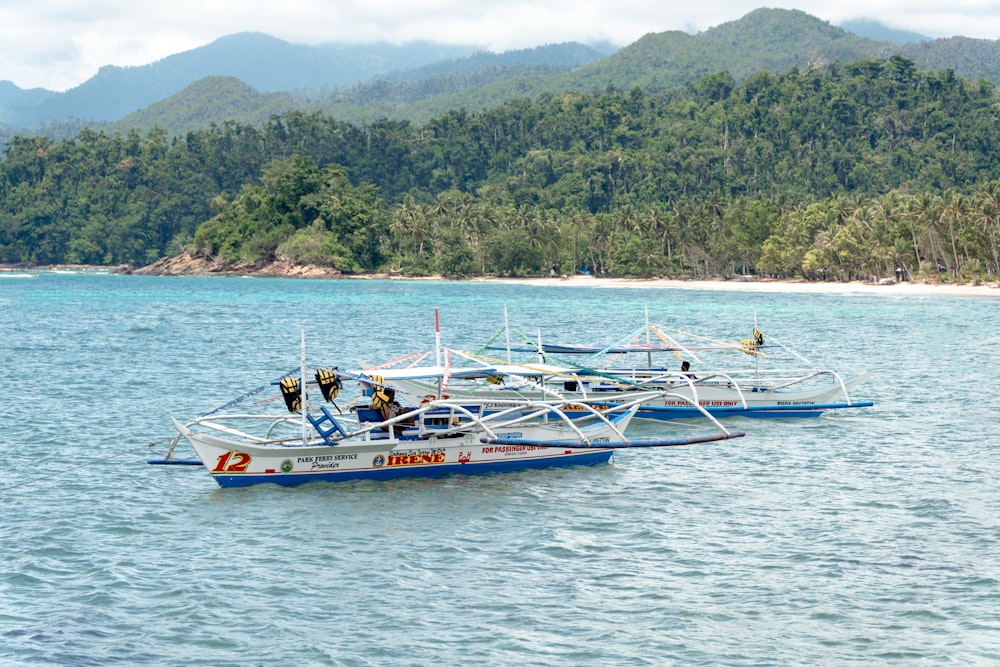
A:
[(384, 473), (234, 464), (758, 400)]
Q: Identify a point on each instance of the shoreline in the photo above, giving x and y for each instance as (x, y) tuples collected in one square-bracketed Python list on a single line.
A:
[(906, 288)]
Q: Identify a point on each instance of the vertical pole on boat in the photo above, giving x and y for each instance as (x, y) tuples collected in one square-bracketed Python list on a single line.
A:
[(437, 337), (506, 328), (756, 357), (541, 352), (649, 353), (437, 348), (302, 389)]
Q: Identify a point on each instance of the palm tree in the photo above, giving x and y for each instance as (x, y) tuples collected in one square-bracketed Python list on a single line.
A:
[(402, 221), (879, 220), (987, 202), (657, 225), (600, 242), (922, 213), (681, 218), (954, 208), (581, 225), (421, 227)]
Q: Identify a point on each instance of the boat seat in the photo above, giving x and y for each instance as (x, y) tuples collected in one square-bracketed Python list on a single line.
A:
[(368, 415), (440, 419), (371, 415)]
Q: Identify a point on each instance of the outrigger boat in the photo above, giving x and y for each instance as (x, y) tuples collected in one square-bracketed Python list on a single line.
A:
[(747, 391), (438, 437), (670, 394)]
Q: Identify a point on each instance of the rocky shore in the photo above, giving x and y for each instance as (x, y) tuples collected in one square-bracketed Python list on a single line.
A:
[(189, 265)]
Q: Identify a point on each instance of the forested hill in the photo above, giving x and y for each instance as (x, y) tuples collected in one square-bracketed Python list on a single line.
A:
[(773, 40), (418, 82), (839, 171)]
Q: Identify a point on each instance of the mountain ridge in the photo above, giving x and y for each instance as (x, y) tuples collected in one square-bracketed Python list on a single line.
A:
[(420, 80), (263, 62)]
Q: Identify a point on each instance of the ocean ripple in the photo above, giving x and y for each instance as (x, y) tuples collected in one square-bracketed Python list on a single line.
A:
[(868, 537)]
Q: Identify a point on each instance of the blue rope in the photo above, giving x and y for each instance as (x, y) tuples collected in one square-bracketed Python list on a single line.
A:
[(250, 393)]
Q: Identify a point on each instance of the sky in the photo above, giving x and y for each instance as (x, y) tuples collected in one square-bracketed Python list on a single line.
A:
[(58, 44)]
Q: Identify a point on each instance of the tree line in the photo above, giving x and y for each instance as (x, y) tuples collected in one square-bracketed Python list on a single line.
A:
[(842, 171)]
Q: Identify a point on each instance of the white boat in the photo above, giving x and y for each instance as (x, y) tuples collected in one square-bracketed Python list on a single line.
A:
[(671, 394), (609, 372), (438, 437)]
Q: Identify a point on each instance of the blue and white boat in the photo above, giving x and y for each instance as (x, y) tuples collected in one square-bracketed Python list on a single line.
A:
[(670, 394), (437, 437), (617, 372)]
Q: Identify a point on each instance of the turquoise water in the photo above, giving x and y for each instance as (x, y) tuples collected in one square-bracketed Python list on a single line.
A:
[(860, 538)]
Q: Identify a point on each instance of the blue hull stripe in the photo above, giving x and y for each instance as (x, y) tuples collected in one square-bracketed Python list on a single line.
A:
[(379, 474), (784, 411)]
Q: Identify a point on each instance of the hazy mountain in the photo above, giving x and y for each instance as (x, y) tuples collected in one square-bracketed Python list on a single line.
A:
[(262, 62), (970, 58), (565, 56), (394, 94), (882, 33), (214, 99)]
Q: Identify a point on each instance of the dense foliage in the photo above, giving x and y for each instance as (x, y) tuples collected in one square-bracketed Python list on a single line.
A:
[(841, 171)]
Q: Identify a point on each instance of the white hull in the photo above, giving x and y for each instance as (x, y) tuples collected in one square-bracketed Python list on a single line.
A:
[(239, 464)]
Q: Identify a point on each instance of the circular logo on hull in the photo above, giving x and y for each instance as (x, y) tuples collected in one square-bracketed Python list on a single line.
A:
[(286, 465), (378, 461)]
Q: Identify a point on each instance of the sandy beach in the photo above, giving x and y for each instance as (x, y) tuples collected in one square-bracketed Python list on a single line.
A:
[(909, 288), (188, 267)]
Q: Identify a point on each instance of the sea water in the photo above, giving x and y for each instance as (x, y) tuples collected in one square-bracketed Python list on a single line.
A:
[(870, 536)]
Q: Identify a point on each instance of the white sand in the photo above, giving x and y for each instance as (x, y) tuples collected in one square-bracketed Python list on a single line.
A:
[(914, 288), (895, 289)]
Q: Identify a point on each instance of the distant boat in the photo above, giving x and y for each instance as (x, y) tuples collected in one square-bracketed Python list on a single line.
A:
[(615, 372), (671, 394), (88, 272)]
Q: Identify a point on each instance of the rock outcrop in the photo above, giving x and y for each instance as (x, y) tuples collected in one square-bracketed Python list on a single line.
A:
[(190, 265)]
